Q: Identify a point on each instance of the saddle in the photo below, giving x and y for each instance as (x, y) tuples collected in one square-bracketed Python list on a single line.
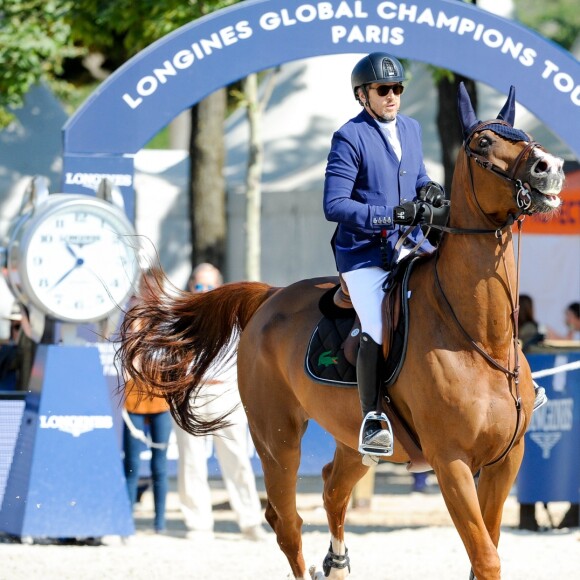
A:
[(333, 347)]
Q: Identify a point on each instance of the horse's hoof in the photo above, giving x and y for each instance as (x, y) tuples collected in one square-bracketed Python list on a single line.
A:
[(314, 575)]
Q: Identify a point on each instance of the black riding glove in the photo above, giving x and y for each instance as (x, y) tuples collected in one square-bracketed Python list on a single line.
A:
[(408, 213), (432, 193)]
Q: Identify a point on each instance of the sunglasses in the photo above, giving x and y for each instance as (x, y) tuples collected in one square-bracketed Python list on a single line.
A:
[(203, 287), (384, 90)]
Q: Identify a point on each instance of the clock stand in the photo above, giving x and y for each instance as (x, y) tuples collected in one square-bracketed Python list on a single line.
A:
[(66, 477)]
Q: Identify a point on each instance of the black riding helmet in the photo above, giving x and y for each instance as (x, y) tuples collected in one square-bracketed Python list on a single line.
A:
[(377, 67)]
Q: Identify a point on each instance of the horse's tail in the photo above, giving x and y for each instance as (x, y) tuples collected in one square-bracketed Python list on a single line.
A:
[(170, 344)]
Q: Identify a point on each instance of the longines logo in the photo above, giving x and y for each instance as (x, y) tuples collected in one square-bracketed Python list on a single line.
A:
[(546, 441), (92, 180), (80, 239), (76, 425), (549, 422)]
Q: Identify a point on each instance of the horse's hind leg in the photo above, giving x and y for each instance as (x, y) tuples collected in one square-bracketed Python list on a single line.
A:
[(340, 476), (279, 451)]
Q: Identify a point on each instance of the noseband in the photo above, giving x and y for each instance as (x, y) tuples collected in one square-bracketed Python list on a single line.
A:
[(523, 197)]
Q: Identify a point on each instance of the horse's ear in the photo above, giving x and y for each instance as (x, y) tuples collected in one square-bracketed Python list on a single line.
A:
[(465, 109), (508, 112)]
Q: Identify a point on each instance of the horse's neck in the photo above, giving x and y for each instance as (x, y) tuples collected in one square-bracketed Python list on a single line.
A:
[(478, 274)]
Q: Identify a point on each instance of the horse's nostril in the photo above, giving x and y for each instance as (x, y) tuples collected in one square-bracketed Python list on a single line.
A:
[(541, 166)]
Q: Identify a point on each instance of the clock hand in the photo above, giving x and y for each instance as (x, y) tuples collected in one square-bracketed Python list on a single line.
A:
[(70, 251), (79, 262)]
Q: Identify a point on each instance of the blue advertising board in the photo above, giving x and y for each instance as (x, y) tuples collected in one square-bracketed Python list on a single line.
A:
[(550, 469), (66, 477)]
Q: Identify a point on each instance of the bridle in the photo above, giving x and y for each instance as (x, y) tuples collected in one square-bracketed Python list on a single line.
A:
[(523, 200), (523, 197)]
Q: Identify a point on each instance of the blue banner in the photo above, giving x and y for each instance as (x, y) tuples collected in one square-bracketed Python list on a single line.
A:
[(551, 470), (185, 66)]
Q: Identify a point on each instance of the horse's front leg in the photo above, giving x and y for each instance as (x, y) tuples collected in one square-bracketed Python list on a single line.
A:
[(494, 486), (460, 495), (340, 476)]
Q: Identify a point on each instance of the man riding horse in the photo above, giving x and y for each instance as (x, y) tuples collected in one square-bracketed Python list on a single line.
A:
[(375, 183), (464, 393)]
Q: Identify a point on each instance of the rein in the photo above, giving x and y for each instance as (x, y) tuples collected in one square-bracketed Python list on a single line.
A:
[(513, 374), (523, 200)]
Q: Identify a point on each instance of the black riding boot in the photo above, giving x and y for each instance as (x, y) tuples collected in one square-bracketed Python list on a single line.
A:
[(374, 439)]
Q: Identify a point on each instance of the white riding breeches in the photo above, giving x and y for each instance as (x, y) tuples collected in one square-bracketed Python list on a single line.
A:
[(365, 287)]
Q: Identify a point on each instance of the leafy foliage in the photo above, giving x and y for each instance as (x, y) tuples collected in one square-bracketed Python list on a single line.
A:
[(34, 41), (40, 40), (121, 28), (558, 20)]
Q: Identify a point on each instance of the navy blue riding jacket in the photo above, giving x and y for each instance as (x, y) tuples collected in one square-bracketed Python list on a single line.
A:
[(364, 182)]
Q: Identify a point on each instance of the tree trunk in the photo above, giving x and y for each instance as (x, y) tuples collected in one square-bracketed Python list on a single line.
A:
[(253, 179), (450, 134), (448, 122), (207, 183), (255, 105)]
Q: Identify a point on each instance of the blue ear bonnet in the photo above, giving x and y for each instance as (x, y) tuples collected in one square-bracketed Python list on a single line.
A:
[(508, 132), (507, 114)]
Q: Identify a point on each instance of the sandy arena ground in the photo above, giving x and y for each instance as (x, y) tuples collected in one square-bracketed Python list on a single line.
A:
[(403, 536)]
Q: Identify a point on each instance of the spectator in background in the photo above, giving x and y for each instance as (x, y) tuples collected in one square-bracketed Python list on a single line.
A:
[(572, 322), (231, 446), (420, 482), (9, 356), (529, 331), (147, 420)]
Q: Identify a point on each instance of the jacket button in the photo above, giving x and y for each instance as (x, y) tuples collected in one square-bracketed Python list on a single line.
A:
[(402, 172)]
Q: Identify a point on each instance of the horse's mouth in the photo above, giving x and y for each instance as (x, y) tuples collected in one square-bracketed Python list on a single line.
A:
[(544, 202)]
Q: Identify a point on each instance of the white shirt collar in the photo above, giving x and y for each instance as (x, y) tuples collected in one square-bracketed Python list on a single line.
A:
[(390, 127)]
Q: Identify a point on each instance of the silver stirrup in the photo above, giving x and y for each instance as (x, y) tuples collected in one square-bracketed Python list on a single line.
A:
[(382, 444), (541, 398)]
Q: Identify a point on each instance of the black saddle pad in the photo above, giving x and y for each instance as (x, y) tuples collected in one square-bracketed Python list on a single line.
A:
[(325, 361)]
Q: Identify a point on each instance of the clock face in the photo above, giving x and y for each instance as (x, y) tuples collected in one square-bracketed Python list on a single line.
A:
[(79, 261)]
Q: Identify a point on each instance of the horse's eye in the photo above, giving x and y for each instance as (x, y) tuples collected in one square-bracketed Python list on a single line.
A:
[(484, 142)]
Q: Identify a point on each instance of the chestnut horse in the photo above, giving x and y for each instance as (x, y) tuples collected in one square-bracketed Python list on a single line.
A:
[(465, 388)]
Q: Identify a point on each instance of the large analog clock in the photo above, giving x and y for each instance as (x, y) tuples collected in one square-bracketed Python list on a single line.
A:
[(74, 257)]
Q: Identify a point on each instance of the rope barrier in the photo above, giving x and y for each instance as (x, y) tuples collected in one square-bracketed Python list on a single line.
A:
[(561, 369)]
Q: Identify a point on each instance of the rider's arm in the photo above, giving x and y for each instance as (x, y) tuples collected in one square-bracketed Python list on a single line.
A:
[(344, 191)]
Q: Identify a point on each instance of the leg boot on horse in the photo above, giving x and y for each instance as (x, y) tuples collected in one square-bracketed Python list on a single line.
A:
[(374, 439)]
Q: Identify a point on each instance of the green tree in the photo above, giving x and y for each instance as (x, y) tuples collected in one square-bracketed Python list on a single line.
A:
[(119, 29), (558, 20), (35, 39)]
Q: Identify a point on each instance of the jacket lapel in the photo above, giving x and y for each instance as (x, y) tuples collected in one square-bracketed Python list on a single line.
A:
[(402, 135)]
